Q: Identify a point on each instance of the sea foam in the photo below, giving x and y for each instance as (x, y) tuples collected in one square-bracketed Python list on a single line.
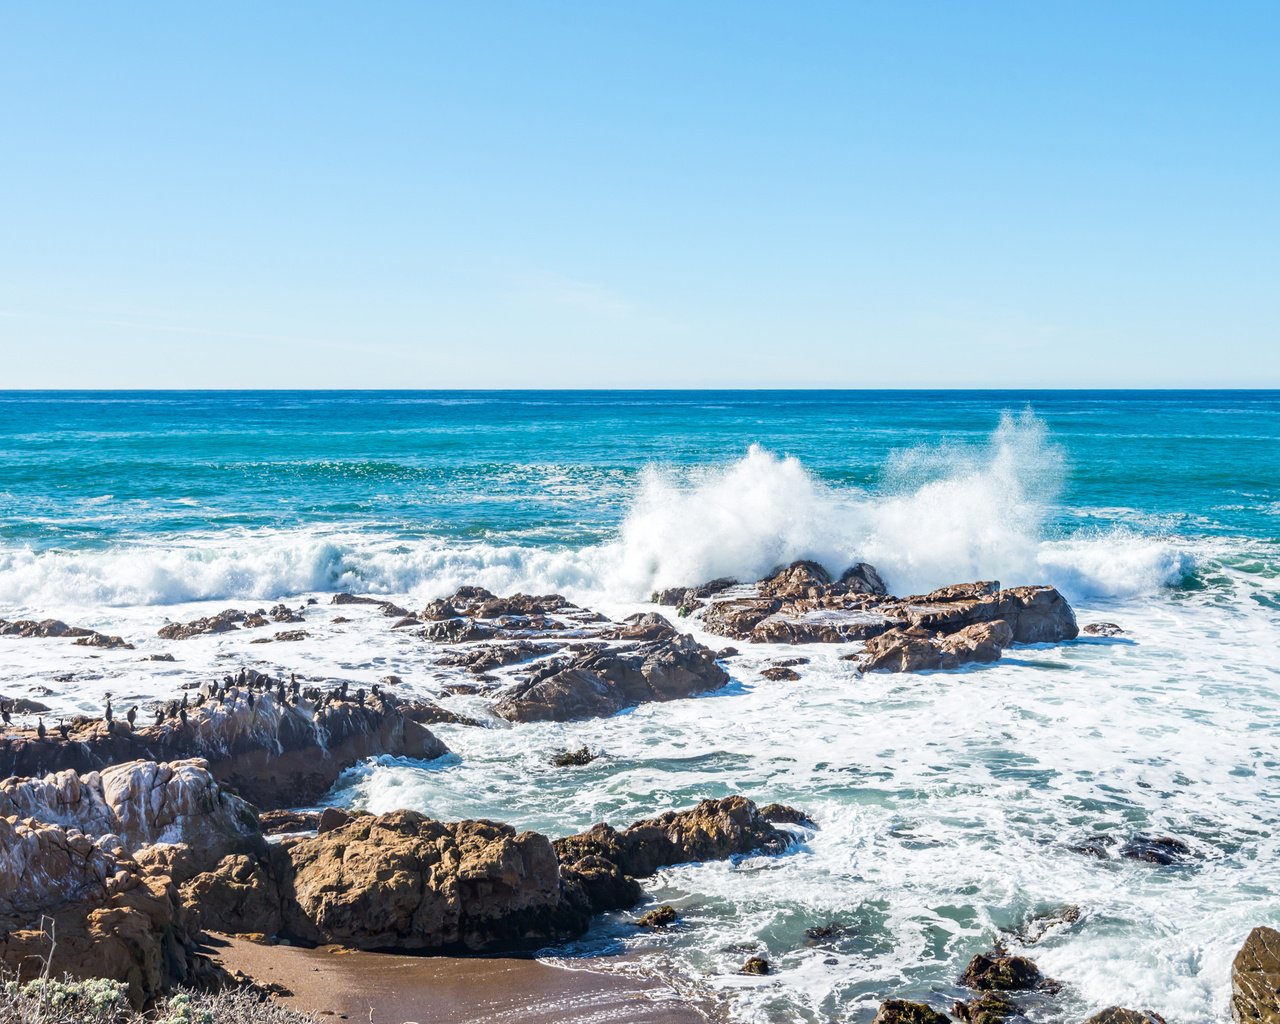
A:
[(939, 515)]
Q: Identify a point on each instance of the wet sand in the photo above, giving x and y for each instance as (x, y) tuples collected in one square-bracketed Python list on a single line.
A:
[(387, 989)]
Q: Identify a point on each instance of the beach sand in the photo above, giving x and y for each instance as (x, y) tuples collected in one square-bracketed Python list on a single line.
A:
[(389, 989)]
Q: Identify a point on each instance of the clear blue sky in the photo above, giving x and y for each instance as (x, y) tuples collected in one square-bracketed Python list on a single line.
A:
[(641, 194)]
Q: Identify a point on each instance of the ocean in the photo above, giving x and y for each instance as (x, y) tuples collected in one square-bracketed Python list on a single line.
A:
[(948, 803)]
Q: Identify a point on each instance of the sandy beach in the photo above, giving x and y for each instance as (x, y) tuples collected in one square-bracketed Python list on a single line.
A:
[(389, 989)]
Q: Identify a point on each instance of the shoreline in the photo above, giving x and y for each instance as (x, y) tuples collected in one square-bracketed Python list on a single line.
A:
[(387, 988)]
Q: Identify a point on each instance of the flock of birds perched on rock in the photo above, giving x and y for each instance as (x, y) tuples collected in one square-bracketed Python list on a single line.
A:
[(248, 682)]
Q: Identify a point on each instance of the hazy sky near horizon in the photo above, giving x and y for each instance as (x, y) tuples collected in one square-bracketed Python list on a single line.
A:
[(651, 194)]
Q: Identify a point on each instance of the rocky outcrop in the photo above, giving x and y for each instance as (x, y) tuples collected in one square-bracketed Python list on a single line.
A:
[(57, 628), (948, 627), (274, 752), (1001, 972), (1120, 1015), (404, 881), (141, 803), (602, 682), (110, 919), (713, 830), (1255, 979), (900, 1011)]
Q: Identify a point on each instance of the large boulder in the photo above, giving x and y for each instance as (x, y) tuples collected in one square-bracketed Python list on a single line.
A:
[(900, 1011), (600, 683), (1255, 979), (403, 881)]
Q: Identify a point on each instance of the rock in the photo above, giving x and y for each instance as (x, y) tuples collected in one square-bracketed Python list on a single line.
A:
[(284, 636), (331, 818), (283, 613), (862, 579), (243, 893), (600, 683), (915, 649), (481, 659), (713, 830), (1163, 850), (573, 758), (1119, 1015), (428, 712), (1098, 846), (899, 1011), (1000, 972), (42, 628), (660, 917), (282, 822), (755, 965), (1105, 629), (650, 627), (104, 641), (159, 657), (142, 803), (982, 642), (23, 706), (273, 754), (223, 622), (799, 579), (403, 881), (111, 920), (989, 1008), (1037, 615), (781, 814), (1255, 979), (780, 673)]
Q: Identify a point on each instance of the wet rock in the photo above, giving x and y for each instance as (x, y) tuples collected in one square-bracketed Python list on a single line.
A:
[(103, 641), (989, 1008), (41, 628), (457, 631), (1098, 846), (223, 622), (755, 965), (1000, 972), (284, 636), (23, 706), (159, 657), (799, 579), (481, 659), (600, 683), (900, 1011), (1105, 629), (1120, 1015), (780, 673), (916, 649), (649, 626), (428, 712), (1255, 979), (713, 830), (573, 758), (822, 933), (862, 579), (282, 822), (660, 917), (283, 613), (1163, 850)]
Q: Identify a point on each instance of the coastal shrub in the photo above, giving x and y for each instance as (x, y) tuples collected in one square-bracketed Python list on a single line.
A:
[(101, 1001)]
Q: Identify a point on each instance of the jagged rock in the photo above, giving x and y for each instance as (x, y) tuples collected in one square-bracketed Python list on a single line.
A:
[(862, 578), (989, 1008), (281, 822), (244, 893), (1163, 850), (103, 641), (649, 626), (481, 659), (23, 706), (600, 683), (284, 636), (781, 814), (1105, 629), (915, 649), (659, 917), (111, 920), (457, 631), (388, 608), (780, 673), (403, 881), (799, 579), (573, 758), (222, 622), (1255, 979), (273, 754), (331, 818), (283, 613), (755, 965), (428, 712), (1000, 972), (1120, 1015), (713, 830), (143, 803), (900, 1011), (41, 628)]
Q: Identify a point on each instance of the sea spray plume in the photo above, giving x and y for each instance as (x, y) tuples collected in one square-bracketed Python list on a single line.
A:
[(738, 520), (965, 512)]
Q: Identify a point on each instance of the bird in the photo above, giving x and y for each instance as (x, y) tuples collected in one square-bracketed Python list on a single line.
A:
[(249, 698), (4, 714), (360, 696), (184, 699), (107, 714), (64, 730), (159, 716), (132, 715), (241, 677), (40, 729), (182, 713)]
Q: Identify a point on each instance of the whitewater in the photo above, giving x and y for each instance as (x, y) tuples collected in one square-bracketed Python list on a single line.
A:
[(947, 802)]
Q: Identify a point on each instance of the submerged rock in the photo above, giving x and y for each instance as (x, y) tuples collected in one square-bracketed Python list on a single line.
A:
[(1163, 850), (659, 917), (1255, 979), (755, 965)]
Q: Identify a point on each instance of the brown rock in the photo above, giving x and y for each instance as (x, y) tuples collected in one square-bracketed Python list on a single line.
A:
[(1120, 1015), (999, 972), (755, 965), (899, 1011), (659, 917), (332, 818), (1255, 979)]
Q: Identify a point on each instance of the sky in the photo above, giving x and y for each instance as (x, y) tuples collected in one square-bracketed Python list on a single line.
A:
[(642, 194)]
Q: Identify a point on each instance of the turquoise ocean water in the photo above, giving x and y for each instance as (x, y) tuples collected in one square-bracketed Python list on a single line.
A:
[(948, 802)]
